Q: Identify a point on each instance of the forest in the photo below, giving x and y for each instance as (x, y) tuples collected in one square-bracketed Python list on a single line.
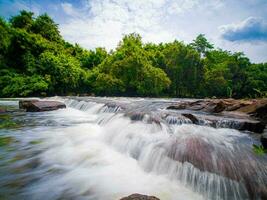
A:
[(35, 60)]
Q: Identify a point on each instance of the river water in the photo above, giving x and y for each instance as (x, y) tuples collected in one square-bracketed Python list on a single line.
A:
[(108, 148)]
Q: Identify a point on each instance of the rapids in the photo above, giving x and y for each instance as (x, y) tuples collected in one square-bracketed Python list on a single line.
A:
[(108, 148)]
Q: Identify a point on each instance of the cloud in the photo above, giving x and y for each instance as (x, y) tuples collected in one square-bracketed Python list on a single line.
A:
[(104, 22), (250, 30)]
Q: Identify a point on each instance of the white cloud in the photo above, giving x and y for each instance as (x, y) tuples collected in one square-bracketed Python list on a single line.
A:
[(103, 22), (251, 29)]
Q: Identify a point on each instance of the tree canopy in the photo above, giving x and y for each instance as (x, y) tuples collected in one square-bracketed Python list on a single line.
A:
[(35, 60)]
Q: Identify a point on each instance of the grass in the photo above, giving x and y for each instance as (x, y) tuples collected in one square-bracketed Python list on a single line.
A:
[(259, 150)]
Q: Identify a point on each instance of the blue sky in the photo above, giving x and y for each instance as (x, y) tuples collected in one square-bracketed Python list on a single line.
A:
[(236, 25)]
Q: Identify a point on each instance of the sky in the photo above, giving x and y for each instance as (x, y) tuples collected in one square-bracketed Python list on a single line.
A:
[(234, 25)]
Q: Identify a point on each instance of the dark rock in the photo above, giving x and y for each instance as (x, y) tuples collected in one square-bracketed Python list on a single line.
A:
[(253, 126), (139, 197), (23, 104), (264, 140), (193, 118), (40, 106)]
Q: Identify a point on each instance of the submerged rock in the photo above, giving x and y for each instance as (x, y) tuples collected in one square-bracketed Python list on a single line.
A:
[(40, 106), (139, 197)]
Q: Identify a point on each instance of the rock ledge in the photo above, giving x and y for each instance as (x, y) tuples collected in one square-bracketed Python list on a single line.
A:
[(40, 106)]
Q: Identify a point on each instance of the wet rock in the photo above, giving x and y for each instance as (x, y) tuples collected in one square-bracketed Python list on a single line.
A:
[(136, 116), (139, 197), (215, 106), (40, 106), (23, 104), (208, 157), (193, 118), (264, 140), (257, 109), (145, 117), (226, 122), (253, 126), (247, 115)]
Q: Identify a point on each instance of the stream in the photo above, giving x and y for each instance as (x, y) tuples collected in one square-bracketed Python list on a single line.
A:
[(108, 148)]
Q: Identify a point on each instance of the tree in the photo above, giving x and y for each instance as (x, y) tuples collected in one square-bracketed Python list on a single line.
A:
[(21, 85), (35, 60), (201, 44), (184, 67), (46, 27), (63, 70), (130, 65), (92, 59), (23, 20)]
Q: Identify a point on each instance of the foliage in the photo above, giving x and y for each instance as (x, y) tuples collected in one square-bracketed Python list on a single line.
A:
[(259, 150), (201, 44), (35, 60)]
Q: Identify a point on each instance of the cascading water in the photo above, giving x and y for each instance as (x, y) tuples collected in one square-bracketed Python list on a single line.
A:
[(107, 148)]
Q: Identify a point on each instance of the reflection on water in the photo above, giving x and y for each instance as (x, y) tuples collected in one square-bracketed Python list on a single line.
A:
[(110, 148)]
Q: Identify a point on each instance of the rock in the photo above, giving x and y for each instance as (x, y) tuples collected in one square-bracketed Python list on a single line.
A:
[(40, 106), (139, 197), (193, 118), (249, 115), (208, 157), (264, 140), (253, 126), (247, 124), (23, 104), (215, 106), (257, 109), (136, 116)]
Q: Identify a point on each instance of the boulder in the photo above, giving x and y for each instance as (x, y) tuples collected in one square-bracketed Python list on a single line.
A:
[(23, 104), (210, 157), (40, 106), (139, 197)]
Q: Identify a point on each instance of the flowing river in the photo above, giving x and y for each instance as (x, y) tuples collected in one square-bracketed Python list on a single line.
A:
[(108, 148)]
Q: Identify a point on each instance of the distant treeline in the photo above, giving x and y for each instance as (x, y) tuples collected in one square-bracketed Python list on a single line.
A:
[(36, 61)]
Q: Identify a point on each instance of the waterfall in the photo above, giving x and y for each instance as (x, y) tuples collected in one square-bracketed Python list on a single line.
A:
[(218, 163), (107, 148)]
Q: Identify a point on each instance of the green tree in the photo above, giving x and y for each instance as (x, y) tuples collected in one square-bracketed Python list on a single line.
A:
[(201, 44), (46, 27), (63, 71), (92, 58), (129, 63), (23, 20), (184, 67)]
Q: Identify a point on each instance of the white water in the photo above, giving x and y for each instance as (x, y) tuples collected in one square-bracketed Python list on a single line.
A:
[(95, 152)]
